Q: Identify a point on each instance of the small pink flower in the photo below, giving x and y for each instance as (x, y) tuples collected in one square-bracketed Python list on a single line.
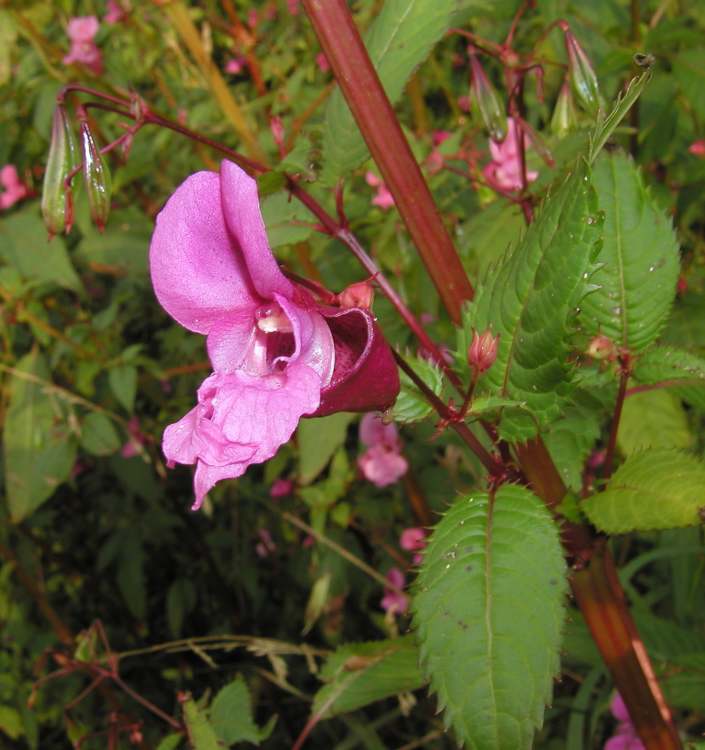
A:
[(277, 127), (81, 32), (281, 488), (625, 736), (383, 198), (322, 62), (235, 65), (382, 462), (294, 7), (115, 12), (14, 190), (266, 545), (464, 103), (395, 602), (374, 431), (439, 136), (135, 441), (504, 171), (359, 294), (413, 539), (697, 148), (252, 19)]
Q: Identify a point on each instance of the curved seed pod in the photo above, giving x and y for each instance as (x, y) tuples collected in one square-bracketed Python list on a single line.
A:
[(563, 119), (488, 102), (57, 203), (582, 76), (97, 178)]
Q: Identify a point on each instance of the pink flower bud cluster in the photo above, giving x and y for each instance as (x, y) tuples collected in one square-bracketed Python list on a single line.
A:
[(394, 601), (382, 463), (81, 32), (482, 351), (383, 198), (504, 171), (14, 190), (414, 540)]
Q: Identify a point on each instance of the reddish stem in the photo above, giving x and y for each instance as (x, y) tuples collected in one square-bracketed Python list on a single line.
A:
[(624, 372), (375, 117)]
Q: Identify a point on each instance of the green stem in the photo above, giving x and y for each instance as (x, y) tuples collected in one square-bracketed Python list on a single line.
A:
[(374, 114)]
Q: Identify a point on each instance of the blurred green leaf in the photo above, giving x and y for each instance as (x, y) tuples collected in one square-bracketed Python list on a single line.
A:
[(123, 383), (231, 716), (201, 734), (98, 436), (318, 441), (654, 419), (180, 601), (411, 405)]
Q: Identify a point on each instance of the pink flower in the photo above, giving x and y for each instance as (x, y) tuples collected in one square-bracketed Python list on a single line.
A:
[(464, 103), (625, 736), (504, 171), (322, 62), (235, 65), (383, 198), (393, 601), (81, 31), (413, 539), (136, 439), (697, 148), (281, 488), (294, 7), (266, 545), (115, 12), (14, 190), (276, 353), (382, 462)]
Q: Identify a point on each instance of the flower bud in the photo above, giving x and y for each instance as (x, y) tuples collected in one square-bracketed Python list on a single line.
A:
[(57, 205), (488, 102), (482, 351), (601, 348), (582, 76), (359, 294), (563, 120), (97, 178)]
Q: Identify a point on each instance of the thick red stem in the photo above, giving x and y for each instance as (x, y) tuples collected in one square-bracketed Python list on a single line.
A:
[(374, 114)]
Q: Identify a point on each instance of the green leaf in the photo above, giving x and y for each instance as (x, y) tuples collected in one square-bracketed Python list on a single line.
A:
[(130, 575), (654, 419), (639, 257), (689, 70), (180, 601), (231, 715), (123, 383), (490, 652), (24, 245), (201, 734), (38, 449), (623, 104), (684, 372), (98, 436), (123, 247), (11, 722), (656, 489), (358, 674), (398, 41), (281, 214), (530, 300), (170, 742), (318, 440), (411, 405)]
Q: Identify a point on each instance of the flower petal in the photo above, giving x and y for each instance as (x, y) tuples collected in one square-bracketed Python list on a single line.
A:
[(374, 432), (228, 340), (198, 273), (365, 377), (207, 476), (240, 204)]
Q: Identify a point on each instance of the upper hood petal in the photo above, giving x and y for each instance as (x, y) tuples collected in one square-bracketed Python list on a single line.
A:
[(198, 273), (244, 220), (365, 376)]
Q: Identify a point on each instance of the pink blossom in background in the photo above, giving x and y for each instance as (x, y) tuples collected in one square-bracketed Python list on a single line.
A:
[(252, 19), (413, 539), (697, 148), (504, 171), (382, 462), (265, 546), (81, 32), (383, 197), (625, 736), (393, 602), (322, 62), (135, 440), (281, 488), (464, 103), (235, 65), (294, 7), (115, 12), (276, 354), (13, 189)]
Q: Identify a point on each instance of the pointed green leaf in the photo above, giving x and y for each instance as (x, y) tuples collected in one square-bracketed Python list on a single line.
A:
[(639, 259), (411, 405), (123, 383), (398, 41), (656, 489), (530, 300), (201, 734), (170, 742), (655, 419), (98, 436), (318, 440), (680, 370), (361, 673), (490, 652), (38, 448), (232, 718)]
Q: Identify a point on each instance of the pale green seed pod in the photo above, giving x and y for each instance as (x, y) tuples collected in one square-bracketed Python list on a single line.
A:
[(488, 102), (57, 204), (564, 115), (582, 76), (97, 178)]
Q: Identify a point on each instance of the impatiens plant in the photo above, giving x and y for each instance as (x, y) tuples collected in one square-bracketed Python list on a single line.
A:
[(436, 383)]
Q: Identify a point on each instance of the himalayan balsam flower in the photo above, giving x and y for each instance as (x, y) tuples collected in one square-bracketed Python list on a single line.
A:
[(697, 148), (13, 189), (276, 353), (322, 62), (115, 12), (383, 197), (136, 439), (625, 736), (395, 602), (81, 31), (504, 171), (382, 462), (281, 488), (414, 540), (235, 65)]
